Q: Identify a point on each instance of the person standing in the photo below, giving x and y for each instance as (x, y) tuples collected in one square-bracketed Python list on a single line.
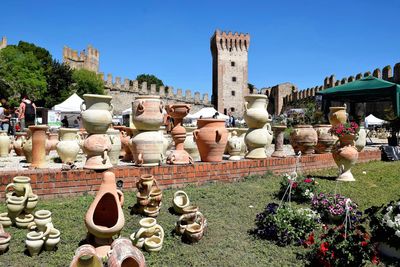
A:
[(4, 116), (26, 112)]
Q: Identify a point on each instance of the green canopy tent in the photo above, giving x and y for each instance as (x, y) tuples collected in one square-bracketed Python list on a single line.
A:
[(368, 89)]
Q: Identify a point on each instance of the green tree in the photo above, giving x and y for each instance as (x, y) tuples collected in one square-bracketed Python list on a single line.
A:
[(59, 82), (86, 82), (41, 54), (150, 79), (21, 73)]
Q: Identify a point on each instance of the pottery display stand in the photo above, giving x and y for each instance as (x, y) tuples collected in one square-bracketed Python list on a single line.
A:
[(96, 118), (191, 225), (20, 203), (150, 236), (42, 234), (279, 133), (4, 240), (39, 139), (179, 155), (105, 217), (148, 197)]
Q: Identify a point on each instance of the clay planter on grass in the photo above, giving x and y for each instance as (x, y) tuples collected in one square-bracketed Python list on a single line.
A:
[(34, 242), (211, 138), (85, 256), (147, 113), (39, 145), (123, 253)]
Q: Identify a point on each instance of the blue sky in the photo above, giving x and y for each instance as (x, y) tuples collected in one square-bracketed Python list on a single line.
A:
[(291, 41)]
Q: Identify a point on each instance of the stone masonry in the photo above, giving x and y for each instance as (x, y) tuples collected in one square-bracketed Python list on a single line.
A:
[(230, 71), (88, 59), (3, 42)]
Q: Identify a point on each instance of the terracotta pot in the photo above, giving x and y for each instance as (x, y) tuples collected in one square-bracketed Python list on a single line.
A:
[(279, 135), (115, 146), (38, 145), (147, 112), (34, 242), (190, 145), (85, 256), (120, 128), (326, 140), (211, 138), (97, 113), (337, 115), (345, 158), (4, 241), (42, 220), (20, 138), (234, 146), (180, 201), (145, 184), (255, 111), (31, 203), (96, 147), (68, 147), (257, 140), (361, 139), (303, 138), (52, 141), (52, 240), (194, 232), (5, 143), (147, 148), (105, 217), (124, 254), (149, 229)]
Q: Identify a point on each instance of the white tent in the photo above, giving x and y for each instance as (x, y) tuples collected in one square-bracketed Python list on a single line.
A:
[(206, 113), (127, 111), (372, 120), (71, 105)]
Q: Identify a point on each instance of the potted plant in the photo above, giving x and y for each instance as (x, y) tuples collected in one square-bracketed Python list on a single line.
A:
[(346, 132), (384, 222), (302, 188), (285, 225), (332, 208), (341, 246)]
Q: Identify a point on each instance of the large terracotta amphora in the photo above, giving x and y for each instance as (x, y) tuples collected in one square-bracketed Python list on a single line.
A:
[(68, 147), (96, 113), (123, 253), (303, 138), (20, 138), (337, 115), (326, 140), (147, 148), (5, 142), (147, 112), (345, 157), (255, 113), (211, 138)]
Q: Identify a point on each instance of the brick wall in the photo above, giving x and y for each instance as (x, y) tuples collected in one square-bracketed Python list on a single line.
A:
[(49, 183)]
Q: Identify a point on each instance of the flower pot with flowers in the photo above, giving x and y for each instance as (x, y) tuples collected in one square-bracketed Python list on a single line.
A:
[(299, 189), (285, 225), (345, 153), (332, 208), (384, 222)]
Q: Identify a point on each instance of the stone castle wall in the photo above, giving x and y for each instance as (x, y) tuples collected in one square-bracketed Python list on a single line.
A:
[(3, 42), (87, 59), (124, 94)]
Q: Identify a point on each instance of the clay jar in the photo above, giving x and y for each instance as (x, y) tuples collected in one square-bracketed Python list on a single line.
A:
[(361, 139), (5, 143), (97, 113), (279, 132), (345, 157), (96, 147), (147, 113), (115, 146), (21, 186), (256, 114), (150, 235), (27, 148), (256, 141), (52, 240), (20, 138), (34, 242), (4, 241), (337, 115), (124, 254), (38, 145), (211, 138), (234, 146), (85, 256), (147, 148), (303, 138), (326, 140), (190, 145), (68, 147), (52, 141)]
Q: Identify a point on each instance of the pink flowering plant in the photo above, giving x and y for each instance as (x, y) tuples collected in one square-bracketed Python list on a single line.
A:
[(332, 207), (302, 188), (340, 130)]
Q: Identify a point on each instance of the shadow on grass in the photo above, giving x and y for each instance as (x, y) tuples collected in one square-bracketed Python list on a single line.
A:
[(323, 177)]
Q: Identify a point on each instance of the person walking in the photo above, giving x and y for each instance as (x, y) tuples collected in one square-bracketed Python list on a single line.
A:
[(26, 112)]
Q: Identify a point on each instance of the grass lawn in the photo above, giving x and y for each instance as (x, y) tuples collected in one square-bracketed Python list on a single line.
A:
[(230, 210)]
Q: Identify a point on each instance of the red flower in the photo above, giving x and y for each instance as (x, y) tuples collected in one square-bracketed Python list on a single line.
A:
[(324, 248), (310, 240), (308, 180), (294, 185), (375, 260), (364, 243)]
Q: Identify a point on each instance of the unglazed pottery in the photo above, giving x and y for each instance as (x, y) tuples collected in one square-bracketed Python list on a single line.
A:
[(52, 240), (345, 157), (38, 145), (15, 205), (52, 141), (21, 186), (42, 221), (23, 220), (234, 146), (148, 197), (115, 146), (257, 140), (27, 147), (4, 240), (31, 203), (179, 155), (361, 139), (34, 242), (85, 256), (190, 145), (255, 111), (123, 253), (96, 147), (5, 221), (147, 148), (180, 201), (150, 235), (279, 134), (68, 147), (326, 140), (96, 113), (192, 224), (147, 112), (5, 143), (211, 138), (20, 138), (303, 138), (337, 115)]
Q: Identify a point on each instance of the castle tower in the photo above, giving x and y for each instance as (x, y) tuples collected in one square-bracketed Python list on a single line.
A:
[(88, 59), (230, 62), (3, 42)]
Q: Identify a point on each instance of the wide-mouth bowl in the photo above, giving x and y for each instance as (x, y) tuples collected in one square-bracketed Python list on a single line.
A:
[(193, 228), (146, 177), (153, 241), (147, 222), (24, 218), (190, 209), (34, 235), (42, 214)]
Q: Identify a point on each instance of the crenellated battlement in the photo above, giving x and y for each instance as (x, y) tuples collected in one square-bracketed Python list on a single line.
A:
[(124, 93), (387, 73), (231, 41), (86, 59)]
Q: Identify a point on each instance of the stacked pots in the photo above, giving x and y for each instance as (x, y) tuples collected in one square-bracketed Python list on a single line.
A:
[(150, 235), (148, 197), (259, 134), (68, 146), (97, 117), (211, 137), (147, 117)]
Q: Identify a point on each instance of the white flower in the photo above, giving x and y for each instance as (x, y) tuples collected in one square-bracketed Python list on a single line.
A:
[(397, 233), (364, 172), (389, 209), (311, 195), (390, 223)]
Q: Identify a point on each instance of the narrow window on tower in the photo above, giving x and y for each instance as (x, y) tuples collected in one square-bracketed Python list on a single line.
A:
[(233, 93), (233, 79), (233, 63)]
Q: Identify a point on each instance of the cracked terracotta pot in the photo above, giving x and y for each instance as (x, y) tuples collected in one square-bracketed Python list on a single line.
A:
[(96, 113), (123, 253), (38, 145), (147, 112), (68, 147), (211, 138)]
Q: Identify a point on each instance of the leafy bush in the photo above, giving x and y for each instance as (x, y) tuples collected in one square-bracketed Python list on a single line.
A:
[(302, 190)]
